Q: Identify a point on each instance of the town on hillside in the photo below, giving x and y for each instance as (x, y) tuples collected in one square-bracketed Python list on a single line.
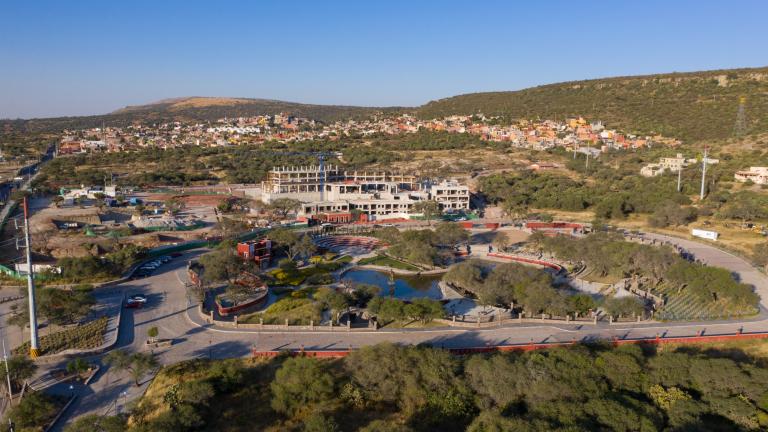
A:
[(573, 133)]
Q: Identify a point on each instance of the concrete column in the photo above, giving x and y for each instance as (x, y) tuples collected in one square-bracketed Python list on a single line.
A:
[(286, 323), (261, 322), (567, 318), (594, 319), (639, 318), (542, 316), (235, 321), (478, 321), (311, 324), (349, 324), (610, 319), (454, 319)]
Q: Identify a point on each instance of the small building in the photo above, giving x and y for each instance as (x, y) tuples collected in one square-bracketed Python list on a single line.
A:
[(259, 251), (757, 175)]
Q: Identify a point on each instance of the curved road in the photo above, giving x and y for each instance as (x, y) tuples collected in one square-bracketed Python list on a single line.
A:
[(170, 310)]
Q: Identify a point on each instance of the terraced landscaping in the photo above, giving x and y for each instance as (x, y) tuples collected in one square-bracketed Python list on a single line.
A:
[(86, 336), (688, 306), (385, 261)]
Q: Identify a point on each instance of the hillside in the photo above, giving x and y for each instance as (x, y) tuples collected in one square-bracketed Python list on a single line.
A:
[(691, 106), (194, 109)]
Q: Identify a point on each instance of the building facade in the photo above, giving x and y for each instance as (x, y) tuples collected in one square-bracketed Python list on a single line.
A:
[(377, 194), (757, 175)]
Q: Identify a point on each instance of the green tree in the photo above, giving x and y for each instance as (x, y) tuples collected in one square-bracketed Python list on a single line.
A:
[(152, 333), (301, 383), (64, 307), (283, 206), (450, 233), (21, 369), (501, 241), (34, 411), (221, 264), (423, 310), (387, 309), (429, 209), (97, 423), (287, 239), (78, 366), (385, 426), (760, 254), (318, 422), (137, 364), (623, 306)]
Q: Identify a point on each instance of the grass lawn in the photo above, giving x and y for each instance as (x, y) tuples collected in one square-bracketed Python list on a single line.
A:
[(593, 277), (298, 311), (384, 261)]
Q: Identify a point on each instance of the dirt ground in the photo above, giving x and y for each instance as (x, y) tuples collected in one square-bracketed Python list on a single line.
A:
[(732, 236)]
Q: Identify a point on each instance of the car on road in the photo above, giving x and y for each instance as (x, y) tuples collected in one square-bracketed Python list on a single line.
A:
[(136, 301), (133, 304), (138, 297)]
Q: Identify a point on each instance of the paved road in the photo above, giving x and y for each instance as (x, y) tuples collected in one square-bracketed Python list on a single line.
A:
[(171, 311)]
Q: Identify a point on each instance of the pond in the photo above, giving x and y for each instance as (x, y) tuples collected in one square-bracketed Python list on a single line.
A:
[(405, 287)]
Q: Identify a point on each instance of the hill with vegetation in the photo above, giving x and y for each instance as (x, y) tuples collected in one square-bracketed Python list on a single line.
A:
[(690, 106), (193, 109), (388, 388)]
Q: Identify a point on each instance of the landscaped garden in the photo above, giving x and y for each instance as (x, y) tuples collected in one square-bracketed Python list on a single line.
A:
[(385, 261), (690, 290), (86, 336)]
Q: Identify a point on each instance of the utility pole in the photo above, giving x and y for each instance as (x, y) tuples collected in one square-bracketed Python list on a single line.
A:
[(703, 174), (679, 176), (33, 342), (7, 375)]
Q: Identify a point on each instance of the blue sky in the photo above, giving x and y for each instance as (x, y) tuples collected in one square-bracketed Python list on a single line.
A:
[(91, 57)]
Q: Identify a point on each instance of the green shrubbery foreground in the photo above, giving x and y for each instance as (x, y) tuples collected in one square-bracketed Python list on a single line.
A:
[(392, 388)]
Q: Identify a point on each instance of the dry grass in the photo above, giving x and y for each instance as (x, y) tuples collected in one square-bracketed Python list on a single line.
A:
[(732, 236), (756, 348), (196, 102)]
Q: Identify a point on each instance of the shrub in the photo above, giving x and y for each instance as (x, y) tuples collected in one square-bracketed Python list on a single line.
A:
[(86, 336)]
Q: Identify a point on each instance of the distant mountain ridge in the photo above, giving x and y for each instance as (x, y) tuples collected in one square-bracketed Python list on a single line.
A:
[(197, 108), (692, 106)]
